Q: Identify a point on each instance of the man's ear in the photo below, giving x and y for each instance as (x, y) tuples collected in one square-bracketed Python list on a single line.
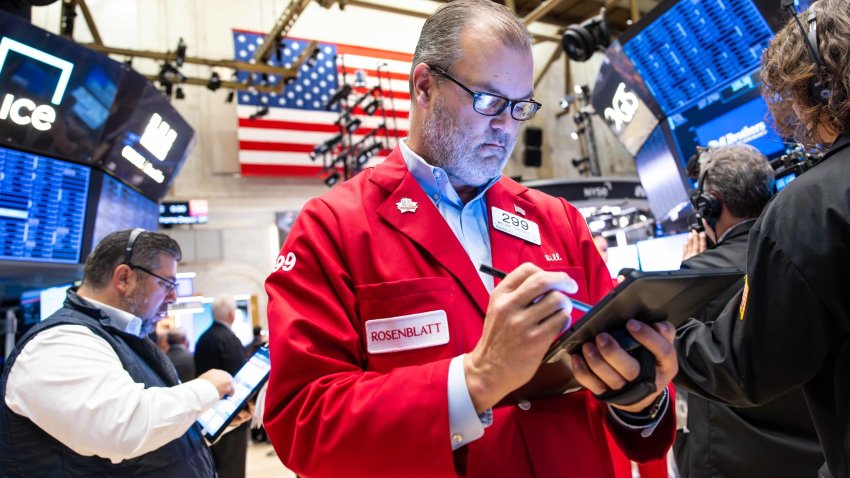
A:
[(121, 278), (423, 82)]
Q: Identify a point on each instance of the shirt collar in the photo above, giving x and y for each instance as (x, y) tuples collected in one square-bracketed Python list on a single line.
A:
[(434, 180), (121, 320), (735, 226)]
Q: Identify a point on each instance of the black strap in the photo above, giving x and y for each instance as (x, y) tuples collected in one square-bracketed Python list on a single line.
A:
[(639, 388)]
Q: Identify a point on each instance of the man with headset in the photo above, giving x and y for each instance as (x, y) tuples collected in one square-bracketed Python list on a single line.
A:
[(777, 438), (86, 393), (790, 326)]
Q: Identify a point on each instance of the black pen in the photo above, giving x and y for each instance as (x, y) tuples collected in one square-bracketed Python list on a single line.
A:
[(577, 304)]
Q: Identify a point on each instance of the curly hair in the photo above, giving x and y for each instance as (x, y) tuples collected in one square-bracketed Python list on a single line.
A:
[(788, 68)]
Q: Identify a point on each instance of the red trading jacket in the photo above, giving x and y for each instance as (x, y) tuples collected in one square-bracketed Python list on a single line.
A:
[(334, 410)]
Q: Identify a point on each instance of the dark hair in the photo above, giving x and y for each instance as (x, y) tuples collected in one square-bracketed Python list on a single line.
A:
[(440, 40), (176, 336), (788, 69), (110, 253), (740, 176)]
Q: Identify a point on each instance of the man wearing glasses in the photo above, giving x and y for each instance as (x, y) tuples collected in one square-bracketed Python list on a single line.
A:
[(391, 353), (86, 393)]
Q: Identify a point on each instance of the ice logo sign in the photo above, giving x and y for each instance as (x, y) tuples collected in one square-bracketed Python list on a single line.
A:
[(623, 107), (24, 111), (158, 137)]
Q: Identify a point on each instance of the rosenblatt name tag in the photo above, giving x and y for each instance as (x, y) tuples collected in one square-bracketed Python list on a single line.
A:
[(407, 332)]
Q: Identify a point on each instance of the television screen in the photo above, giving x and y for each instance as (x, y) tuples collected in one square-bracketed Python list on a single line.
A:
[(184, 212), (662, 178), (42, 207), (114, 205), (56, 95), (734, 114), (145, 141), (696, 47), (37, 305), (662, 253), (622, 257), (185, 284)]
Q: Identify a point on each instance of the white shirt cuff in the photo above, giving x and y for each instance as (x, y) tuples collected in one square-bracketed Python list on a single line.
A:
[(465, 426)]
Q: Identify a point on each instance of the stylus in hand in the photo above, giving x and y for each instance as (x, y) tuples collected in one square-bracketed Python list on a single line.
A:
[(577, 304)]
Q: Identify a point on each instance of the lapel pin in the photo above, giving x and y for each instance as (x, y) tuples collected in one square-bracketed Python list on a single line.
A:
[(519, 210), (406, 205)]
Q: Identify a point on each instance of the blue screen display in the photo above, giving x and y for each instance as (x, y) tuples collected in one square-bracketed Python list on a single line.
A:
[(696, 47), (42, 207), (735, 114), (116, 199), (661, 178)]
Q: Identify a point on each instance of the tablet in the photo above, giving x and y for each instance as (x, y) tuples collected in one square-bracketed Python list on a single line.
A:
[(246, 383), (647, 296)]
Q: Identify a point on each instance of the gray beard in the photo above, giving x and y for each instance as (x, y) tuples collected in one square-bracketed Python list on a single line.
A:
[(450, 148)]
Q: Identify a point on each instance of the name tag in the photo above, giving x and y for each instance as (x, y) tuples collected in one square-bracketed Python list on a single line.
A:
[(515, 225), (407, 332)]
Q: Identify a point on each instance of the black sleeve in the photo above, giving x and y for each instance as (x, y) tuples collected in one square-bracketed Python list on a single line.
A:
[(756, 351)]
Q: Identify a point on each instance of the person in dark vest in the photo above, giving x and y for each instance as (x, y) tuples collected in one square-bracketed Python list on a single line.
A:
[(776, 438), (87, 393), (220, 348), (179, 354)]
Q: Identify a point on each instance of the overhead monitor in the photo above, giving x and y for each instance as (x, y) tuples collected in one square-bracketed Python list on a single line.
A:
[(623, 101), (121, 207), (43, 203), (146, 140), (662, 178), (55, 95), (734, 114), (690, 48), (662, 253), (39, 304), (184, 212)]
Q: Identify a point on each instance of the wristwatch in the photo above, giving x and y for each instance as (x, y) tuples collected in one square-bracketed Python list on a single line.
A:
[(651, 412)]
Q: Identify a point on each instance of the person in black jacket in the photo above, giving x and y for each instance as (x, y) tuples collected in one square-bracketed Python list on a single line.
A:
[(790, 326), (219, 347), (715, 440), (179, 354), (87, 393)]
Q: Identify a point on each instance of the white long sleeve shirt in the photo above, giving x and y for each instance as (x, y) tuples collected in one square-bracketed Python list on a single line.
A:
[(71, 384)]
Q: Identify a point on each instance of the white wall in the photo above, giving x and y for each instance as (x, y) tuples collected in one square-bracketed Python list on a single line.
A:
[(234, 252)]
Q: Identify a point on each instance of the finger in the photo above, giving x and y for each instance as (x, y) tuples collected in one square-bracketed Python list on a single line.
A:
[(703, 242), (550, 303), (585, 377), (541, 282), (660, 346), (551, 326), (624, 364), (602, 369), (666, 329), (518, 276)]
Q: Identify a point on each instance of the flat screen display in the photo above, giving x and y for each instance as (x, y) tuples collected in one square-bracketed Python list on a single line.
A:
[(622, 257), (39, 304), (121, 207), (184, 212), (55, 95), (145, 141), (696, 47), (662, 178), (43, 205), (661, 253), (734, 114)]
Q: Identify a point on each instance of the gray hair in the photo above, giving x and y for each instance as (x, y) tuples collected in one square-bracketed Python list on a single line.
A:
[(222, 307), (740, 175), (440, 40), (111, 252)]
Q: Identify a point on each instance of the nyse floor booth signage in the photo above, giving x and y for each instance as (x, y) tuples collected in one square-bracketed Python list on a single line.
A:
[(87, 147)]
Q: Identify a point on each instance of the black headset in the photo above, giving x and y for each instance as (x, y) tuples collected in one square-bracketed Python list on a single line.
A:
[(706, 205), (128, 252), (818, 86)]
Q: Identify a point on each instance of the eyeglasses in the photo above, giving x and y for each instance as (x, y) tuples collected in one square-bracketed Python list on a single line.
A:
[(167, 285), (489, 104)]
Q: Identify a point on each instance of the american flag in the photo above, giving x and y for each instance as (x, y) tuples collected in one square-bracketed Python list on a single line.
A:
[(279, 143)]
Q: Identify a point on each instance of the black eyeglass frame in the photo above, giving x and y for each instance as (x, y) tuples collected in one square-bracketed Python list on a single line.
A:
[(508, 103), (128, 254)]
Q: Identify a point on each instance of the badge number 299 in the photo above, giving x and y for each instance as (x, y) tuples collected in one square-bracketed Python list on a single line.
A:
[(515, 225)]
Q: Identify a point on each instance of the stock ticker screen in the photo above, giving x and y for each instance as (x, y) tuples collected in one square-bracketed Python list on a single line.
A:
[(662, 178), (42, 207), (696, 47)]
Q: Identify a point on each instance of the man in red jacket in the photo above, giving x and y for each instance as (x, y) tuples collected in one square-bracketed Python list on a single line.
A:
[(390, 351)]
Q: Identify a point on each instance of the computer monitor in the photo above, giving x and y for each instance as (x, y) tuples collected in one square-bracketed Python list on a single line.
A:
[(662, 253), (622, 257), (121, 207), (662, 178), (43, 205), (39, 304)]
